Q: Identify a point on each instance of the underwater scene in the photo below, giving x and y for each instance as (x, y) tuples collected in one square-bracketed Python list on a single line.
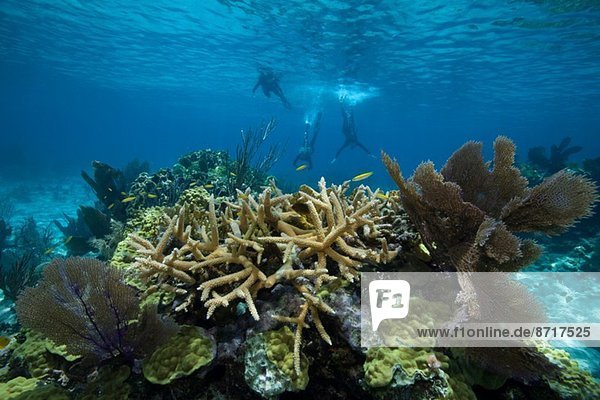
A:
[(190, 192)]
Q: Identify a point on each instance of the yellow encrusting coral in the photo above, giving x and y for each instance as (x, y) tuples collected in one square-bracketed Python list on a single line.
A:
[(17, 386), (185, 353), (280, 346), (572, 382), (21, 388), (35, 353), (404, 368)]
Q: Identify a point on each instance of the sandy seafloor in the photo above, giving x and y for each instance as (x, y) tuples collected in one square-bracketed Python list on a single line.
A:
[(52, 198)]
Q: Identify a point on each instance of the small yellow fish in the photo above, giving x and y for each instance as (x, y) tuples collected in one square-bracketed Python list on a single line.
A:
[(4, 341), (209, 186), (128, 199), (361, 177), (152, 196), (381, 196), (232, 174), (111, 206), (123, 193), (301, 167), (110, 189), (48, 251), (67, 240), (193, 184)]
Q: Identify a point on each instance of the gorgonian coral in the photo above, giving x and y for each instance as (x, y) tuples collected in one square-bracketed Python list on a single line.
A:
[(84, 304), (467, 213)]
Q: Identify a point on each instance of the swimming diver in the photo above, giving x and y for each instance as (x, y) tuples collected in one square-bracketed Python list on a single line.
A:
[(270, 84), (349, 131), (305, 153)]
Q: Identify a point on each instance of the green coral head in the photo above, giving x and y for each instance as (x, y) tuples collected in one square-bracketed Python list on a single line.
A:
[(185, 353)]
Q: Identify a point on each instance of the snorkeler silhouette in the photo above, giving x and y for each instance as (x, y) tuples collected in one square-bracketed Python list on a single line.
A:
[(349, 131), (270, 84), (305, 153)]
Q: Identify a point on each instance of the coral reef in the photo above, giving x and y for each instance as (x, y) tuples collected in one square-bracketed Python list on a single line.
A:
[(76, 233), (108, 184), (264, 285), (107, 244), (204, 167), (303, 240), (83, 304), (162, 188)]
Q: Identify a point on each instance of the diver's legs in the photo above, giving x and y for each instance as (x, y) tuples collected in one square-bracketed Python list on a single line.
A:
[(297, 160), (279, 93), (346, 144), (359, 144), (286, 103)]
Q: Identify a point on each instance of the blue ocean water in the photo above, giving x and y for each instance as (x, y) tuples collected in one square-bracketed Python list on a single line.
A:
[(113, 80), (120, 80)]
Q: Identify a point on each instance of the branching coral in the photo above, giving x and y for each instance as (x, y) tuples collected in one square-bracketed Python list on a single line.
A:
[(302, 240), (467, 213)]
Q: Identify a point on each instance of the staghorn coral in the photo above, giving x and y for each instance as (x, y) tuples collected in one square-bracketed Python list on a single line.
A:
[(467, 213), (84, 304), (303, 240)]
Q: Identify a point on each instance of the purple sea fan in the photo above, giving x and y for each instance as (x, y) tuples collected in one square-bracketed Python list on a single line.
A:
[(84, 304)]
